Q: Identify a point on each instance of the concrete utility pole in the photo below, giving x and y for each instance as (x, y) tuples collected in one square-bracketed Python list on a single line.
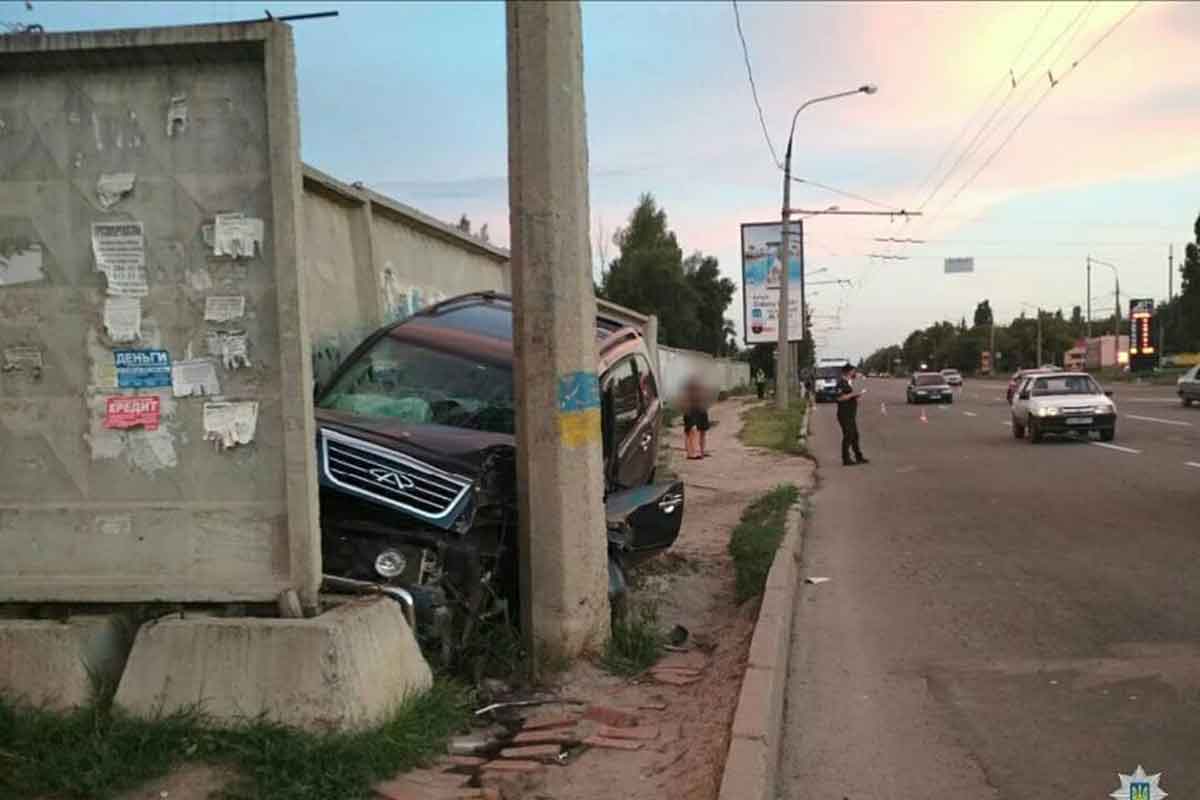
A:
[(560, 477), (1089, 296), (783, 357)]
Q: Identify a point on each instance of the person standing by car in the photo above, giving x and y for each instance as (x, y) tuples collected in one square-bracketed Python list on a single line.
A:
[(847, 414), (695, 419)]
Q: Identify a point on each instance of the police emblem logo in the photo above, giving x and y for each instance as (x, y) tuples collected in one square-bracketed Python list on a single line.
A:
[(1139, 786)]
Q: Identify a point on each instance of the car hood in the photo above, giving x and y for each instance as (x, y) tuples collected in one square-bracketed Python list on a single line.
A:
[(460, 450), (1069, 401)]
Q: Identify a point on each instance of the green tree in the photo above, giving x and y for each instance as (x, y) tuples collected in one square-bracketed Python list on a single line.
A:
[(983, 314), (1189, 294), (712, 294)]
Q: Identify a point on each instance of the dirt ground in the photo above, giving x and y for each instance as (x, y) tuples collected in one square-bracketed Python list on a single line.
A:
[(692, 586)]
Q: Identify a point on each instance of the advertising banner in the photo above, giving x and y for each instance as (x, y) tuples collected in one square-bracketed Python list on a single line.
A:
[(762, 273)]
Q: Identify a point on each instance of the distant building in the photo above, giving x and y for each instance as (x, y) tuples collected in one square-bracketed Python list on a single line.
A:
[(1107, 351)]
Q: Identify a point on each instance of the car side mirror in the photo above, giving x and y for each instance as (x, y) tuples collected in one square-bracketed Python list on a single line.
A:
[(1108, 392)]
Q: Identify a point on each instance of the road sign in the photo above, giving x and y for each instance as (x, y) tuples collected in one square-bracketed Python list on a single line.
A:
[(959, 265)]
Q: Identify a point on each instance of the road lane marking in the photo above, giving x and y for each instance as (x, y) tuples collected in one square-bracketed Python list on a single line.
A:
[(1006, 424), (1162, 421), (1192, 464), (1116, 447), (970, 414)]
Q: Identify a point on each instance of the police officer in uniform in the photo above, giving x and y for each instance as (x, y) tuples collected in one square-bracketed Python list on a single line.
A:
[(847, 414)]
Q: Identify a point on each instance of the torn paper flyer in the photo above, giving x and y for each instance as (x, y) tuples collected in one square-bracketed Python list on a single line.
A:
[(177, 115), (142, 369), (123, 318), (22, 359), (230, 424), (224, 309), (235, 235), (119, 249), (230, 347), (111, 188), (21, 266), (194, 377), (138, 411)]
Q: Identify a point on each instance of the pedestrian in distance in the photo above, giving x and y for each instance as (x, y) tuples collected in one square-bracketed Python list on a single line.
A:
[(760, 383), (847, 415), (695, 419)]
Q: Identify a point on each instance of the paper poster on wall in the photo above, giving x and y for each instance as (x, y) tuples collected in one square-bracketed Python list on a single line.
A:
[(142, 369), (123, 318), (111, 188), (21, 265), (230, 424), (197, 376), (138, 411), (224, 309), (230, 348), (234, 234), (119, 249), (22, 359)]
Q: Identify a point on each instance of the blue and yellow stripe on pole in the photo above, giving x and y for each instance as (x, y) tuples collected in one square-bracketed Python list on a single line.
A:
[(579, 409)]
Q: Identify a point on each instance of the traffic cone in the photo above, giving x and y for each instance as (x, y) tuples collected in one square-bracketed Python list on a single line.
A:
[(923, 417), (883, 408)]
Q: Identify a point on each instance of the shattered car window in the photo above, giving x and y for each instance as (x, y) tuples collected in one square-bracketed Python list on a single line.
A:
[(413, 384)]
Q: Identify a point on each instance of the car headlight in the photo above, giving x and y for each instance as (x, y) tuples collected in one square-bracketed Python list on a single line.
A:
[(1103, 408), (1047, 411)]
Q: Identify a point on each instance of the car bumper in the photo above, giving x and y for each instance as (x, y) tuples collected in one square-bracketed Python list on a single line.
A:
[(1060, 425), (939, 397), (825, 395)]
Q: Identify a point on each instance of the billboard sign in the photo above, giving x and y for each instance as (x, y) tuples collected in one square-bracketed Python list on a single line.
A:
[(956, 265), (762, 274)]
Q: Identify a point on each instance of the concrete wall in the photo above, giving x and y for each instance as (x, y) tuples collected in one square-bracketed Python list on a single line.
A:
[(370, 260), (205, 119), (676, 366)]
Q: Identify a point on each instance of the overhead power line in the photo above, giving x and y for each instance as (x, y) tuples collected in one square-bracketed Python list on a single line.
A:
[(844, 193), (737, 17), (1051, 85)]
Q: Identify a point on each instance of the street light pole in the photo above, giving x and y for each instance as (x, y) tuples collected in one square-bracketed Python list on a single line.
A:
[(783, 361)]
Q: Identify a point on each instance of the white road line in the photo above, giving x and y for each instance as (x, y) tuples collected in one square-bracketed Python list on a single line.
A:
[(970, 414), (1162, 421), (1116, 447), (1192, 464), (1007, 424)]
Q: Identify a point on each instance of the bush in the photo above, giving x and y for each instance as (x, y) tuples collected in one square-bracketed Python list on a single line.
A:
[(757, 537)]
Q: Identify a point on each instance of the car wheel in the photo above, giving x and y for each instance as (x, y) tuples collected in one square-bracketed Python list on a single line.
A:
[(1187, 402), (1018, 430), (1035, 434), (1107, 434)]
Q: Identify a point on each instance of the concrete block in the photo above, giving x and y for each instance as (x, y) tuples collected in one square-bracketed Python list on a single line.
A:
[(58, 665), (347, 668)]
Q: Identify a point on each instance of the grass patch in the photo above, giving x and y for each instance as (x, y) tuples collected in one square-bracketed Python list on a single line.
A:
[(94, 754), (766, 426), (756, 538), (636, 642), (670, 416)]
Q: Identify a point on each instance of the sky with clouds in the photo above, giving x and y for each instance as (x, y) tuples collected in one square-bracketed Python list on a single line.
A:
[(410, 99)]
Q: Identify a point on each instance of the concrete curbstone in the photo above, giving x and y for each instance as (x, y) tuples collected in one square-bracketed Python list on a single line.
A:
[(753, 757)]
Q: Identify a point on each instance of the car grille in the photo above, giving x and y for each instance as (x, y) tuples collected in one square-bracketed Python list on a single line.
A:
[(389, 477), (1070, 410)]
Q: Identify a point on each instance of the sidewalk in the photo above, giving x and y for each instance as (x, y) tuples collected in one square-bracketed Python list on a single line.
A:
[(692, 585)]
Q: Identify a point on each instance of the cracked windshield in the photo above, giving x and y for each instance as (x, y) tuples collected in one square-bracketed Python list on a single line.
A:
[(579, 399)]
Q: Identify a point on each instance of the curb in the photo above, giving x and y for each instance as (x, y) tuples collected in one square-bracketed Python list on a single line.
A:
[(753, 757), (808, 406)]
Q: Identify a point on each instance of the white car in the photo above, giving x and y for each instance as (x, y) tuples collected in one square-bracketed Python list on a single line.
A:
[(1062, 403), (953, 377)]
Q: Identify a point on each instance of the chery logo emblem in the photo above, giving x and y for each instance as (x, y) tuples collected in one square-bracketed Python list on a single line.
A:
[(396, 480)]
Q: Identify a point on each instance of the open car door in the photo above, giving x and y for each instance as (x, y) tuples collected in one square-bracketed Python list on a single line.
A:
[(644, 521)]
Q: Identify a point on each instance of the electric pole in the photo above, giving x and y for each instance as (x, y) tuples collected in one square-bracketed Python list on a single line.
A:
[(1089, 296), (560, 475), (783, 355)]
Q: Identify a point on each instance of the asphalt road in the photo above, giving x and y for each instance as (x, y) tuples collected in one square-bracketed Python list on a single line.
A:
[(1003, 619)]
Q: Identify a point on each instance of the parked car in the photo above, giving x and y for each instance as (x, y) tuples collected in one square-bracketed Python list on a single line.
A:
[(1057, 403), (416, 459), (953, 377), (1189, 386), (825, 382), (1019, 377), (929, 387)]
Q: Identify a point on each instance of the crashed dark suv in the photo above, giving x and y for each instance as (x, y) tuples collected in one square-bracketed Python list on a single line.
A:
[(415, 450)]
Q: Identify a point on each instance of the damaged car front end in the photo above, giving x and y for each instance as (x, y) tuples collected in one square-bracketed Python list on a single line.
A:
[(416, 455)]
